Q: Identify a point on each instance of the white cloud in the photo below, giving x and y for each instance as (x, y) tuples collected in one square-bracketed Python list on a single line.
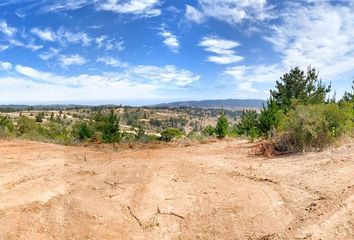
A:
[(100, 40), (97, 87), (230, 11), (255, 73), (6, 29), (3, 47), (246, 87), (35, 74), (194, 15), (167, 74), (222, 48), (68, 5), (109, 61), (62, 36), (147, 8), (30, 45), (106, 43), (245, 76), (5, 66), (44, 34), (136, 82), (33, 47), (51, 53), (170, 40), (68, 60), (65, 37), (320, 34), (141, 8)]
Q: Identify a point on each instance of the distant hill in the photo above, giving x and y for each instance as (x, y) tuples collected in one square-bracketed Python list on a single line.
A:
[(222, 103)]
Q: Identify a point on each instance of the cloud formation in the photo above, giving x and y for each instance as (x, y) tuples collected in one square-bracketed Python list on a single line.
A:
[(170, 40), (222, 50), (230, 11)]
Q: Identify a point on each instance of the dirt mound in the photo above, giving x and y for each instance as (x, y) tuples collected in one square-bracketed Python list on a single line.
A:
[(210, 191)]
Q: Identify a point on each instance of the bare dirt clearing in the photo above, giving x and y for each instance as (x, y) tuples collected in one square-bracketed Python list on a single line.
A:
[(208, 191)]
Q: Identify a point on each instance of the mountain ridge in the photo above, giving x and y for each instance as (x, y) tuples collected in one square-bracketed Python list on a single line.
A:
[(217, 103)]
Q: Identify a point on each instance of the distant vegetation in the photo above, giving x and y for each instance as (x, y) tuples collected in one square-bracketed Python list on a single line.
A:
[(299, 115), (217, 104)]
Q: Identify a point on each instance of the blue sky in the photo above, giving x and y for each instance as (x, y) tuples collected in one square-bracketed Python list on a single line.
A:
[(149, 51)]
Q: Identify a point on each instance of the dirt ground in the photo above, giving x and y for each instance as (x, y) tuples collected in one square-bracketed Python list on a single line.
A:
[(207, 191)]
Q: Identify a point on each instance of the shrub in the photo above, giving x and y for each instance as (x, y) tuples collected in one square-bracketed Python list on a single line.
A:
[(233, 131), (209, 131), (40, 117), (222, 126), (6, 124), (171, 134), (110, 129), (140, 132), (26, 125), (314, 126), (82, 131)]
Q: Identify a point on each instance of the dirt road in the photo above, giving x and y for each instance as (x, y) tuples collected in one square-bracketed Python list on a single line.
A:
[(209, 191)]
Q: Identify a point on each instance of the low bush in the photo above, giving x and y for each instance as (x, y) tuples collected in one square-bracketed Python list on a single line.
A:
[(26, 125), (82, 131), (171, 134), (209, 131), (314, 126)]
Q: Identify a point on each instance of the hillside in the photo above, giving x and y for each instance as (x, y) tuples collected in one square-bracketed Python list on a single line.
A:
[(209, 191), (222, 103)]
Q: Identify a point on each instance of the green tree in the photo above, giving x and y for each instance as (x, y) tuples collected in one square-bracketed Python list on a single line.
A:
[(269, 118), (110, 129), (82, 131), (40, 117), (222, 126), (51, 117), (296, 86), (249, 123), (349, 96), (140, 132)]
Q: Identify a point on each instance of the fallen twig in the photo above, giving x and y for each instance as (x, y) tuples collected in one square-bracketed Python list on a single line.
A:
[(169, 213), (137, 219)]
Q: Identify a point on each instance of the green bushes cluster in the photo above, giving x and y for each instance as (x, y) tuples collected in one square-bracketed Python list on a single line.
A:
[(314, 126), (298, 116)]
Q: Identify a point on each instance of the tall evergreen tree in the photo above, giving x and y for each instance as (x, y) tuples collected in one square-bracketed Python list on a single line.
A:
[(296, 86), (269, 118)]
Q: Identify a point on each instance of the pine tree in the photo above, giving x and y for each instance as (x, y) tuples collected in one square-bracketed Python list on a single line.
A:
[(111, 130), (296, 86), (349, 96), (222, 126)]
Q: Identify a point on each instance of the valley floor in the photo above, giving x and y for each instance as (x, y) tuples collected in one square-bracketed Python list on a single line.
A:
[(208, 191)]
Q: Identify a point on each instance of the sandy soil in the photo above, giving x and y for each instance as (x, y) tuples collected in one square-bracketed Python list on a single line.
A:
[(208, 191)]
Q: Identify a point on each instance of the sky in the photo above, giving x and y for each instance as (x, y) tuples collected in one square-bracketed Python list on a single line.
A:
[(142, 52)]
